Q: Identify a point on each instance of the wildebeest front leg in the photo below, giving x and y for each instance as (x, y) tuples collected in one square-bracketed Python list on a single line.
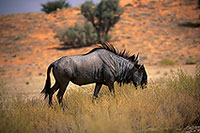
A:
[(135, 84), (97, 89), (111, 88)]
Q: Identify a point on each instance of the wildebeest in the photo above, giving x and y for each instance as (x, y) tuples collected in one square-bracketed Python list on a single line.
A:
[(103, 65)]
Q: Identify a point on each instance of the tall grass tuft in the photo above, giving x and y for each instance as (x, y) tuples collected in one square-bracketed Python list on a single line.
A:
[(168, 104)]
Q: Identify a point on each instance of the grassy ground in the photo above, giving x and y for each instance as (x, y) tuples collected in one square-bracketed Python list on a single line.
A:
[(170, 103)]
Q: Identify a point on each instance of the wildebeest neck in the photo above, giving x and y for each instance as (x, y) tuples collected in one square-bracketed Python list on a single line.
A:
[(125, 70), (120, 67)]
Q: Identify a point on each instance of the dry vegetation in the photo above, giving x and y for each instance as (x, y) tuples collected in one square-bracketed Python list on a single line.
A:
[(168, 104)]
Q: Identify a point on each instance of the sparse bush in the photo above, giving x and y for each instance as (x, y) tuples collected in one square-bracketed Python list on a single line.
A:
[(52, 6), (78, 36), (166, 105), (166, 61), (103, 16), (190, 62)]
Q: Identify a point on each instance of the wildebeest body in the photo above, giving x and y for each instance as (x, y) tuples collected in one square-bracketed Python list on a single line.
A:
[(100, 66), (85, 69)]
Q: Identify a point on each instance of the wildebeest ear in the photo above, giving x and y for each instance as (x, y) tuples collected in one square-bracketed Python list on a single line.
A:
[(137, 57), (136, 63)]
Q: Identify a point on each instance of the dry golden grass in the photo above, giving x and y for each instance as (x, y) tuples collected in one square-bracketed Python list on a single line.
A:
[(168, 104)]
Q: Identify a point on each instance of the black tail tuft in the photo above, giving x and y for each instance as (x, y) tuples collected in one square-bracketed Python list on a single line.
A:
[(48, 82)]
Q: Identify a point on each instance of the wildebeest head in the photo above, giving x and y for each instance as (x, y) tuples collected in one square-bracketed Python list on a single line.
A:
[(139, 75)]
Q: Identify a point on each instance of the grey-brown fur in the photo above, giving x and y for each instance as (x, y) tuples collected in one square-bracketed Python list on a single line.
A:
[(103, 65)]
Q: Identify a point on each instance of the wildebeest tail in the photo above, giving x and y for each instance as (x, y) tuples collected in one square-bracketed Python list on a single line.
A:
[(48, 82)]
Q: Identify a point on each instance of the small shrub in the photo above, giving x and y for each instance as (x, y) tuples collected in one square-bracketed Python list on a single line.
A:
[(78, 36), (166, 61), (190, 62), (52, 6)]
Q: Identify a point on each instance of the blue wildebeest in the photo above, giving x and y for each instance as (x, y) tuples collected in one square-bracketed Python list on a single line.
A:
[(103, 65)]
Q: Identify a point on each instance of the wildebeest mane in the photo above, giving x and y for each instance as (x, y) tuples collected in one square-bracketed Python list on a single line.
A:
[(111, 48)]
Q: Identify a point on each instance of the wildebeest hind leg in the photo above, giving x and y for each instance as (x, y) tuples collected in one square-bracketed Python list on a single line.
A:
[(52, 91), (61, 91)]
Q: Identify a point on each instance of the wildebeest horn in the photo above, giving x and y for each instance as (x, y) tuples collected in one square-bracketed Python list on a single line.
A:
[(137, 57)]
